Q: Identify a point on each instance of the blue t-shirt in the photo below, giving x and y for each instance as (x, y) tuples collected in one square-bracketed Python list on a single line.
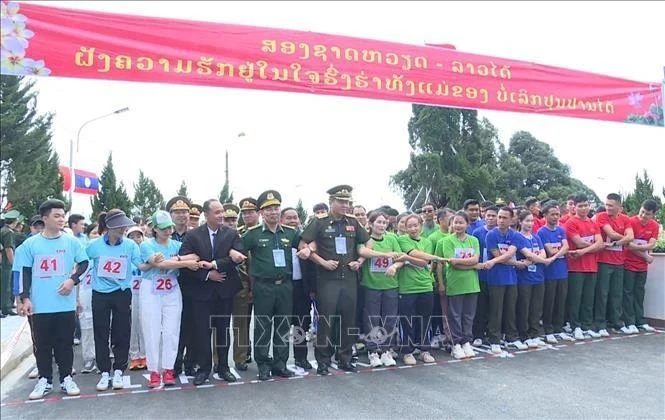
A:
[(474, 225), (501, 274), (52, 261), (151, 247), (534, 273), (112, 263), (558, 270), (481, 235), (17, 270)]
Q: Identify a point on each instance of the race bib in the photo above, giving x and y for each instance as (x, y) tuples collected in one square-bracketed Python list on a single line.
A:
[(86, 283), (136, 285), (340, 245), (556, 247), (380, 264), (589, 239), (464, 252), (278, 258), (503, 248), (639, 241), (49, 265), (163, 285), (615, 248), (485, 258), (531, 268), (112, 267)]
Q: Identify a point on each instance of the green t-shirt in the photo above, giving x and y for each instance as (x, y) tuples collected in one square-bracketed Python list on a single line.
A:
[(413, 279), (426, 232), (460, 282), (436, 238), (374, 269)]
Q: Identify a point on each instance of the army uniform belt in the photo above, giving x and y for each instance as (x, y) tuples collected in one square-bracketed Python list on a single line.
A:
[(278, 280)]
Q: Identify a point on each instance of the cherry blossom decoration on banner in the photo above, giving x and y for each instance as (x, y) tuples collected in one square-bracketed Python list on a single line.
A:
[(14, 36)]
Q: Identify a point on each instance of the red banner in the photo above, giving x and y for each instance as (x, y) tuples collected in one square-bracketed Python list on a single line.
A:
[(51, 41)]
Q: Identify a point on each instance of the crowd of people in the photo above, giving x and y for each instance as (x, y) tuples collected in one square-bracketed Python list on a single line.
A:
[(165, 293)]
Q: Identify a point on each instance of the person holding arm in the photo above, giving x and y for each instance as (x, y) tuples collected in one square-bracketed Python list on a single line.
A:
[(617, 232), (380, 285), (636, 265), (482, 305), (461, 252), (160, 297), (585, 242), (51, 265), (136, 340), (112, 255), (530, 282), (556, 274)]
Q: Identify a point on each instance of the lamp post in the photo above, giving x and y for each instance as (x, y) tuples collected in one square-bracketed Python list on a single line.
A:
[(71, 149), (226, 161)]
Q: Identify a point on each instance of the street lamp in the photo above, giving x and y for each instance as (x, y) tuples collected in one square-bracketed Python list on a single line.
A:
[(71, 149), (226, 157)]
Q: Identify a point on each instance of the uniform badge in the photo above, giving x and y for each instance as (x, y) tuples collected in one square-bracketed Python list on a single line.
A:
[(350, 228)]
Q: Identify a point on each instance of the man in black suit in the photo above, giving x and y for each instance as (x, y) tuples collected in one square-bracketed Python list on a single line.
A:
[(213, 287)]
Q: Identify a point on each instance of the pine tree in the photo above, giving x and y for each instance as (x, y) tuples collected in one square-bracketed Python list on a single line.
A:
[(110, 195), (643, 191), (29, 165), (302, 213), (183, 190), (147, 197), (224, 195)]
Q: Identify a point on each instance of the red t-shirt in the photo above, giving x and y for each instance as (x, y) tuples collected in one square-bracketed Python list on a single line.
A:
[(643, 233), (564, 219), (537, 224), (587, 230), (615, 254)]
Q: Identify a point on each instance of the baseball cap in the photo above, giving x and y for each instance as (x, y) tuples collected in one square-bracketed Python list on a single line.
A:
[(162, 220), (134, 229)]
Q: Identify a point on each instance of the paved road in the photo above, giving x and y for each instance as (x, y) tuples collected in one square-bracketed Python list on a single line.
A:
[(619, 378)]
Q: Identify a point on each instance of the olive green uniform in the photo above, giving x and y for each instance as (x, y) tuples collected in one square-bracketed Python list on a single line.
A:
[(241, 315), (271, 272), (336, 290), (7, 240)]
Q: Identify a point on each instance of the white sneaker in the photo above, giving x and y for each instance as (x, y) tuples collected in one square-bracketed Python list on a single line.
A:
[(603, 333), (34, 373), (478, 342), (566, 337), (518, 345), (117, 379), (374, 360), (551, 339), (103, 383), (540, 342), (42, 388), (408, 359), (578, 334), (531, 343), (592, 334), (387, 359), (496, 349), (468, 351), (426, 357), (567, 329), (645, 327), (77, 341), (457, 352), (69, 387), (626, 330)]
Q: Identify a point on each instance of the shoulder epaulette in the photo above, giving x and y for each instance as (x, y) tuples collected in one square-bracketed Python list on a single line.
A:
[(254, 227), (288, 227), (322, 215), (350, 215)]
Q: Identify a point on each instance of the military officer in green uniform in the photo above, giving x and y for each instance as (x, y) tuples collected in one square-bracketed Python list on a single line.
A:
[(269, 246), (249, 212), (336, 243), (195, 212), (7, 241)]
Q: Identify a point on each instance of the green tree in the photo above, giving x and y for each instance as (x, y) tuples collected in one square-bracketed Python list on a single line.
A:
[(147, 197), (28, 164), (183, 190), (111, 195), (224, 195), (453, 157), (643, 191), (302, 213)]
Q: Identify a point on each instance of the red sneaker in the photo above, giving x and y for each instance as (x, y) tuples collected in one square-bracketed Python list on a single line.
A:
[(154, 380), (168, 377)]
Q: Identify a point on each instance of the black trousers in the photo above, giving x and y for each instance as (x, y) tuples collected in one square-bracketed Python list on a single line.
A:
[(52, 335), (118, 303), (301, 320), (436, 320), (502, 313), (209, 315), (415, 311), (554, 306), (529, 309), (482, 308), (186, 352)]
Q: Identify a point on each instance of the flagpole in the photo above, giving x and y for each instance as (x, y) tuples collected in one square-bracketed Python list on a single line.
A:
[(662, 95)]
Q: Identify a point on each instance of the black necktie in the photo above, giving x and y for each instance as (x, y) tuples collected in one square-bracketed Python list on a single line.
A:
[(214, 235)]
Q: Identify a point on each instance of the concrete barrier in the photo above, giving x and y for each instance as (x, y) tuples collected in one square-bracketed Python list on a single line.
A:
[(654, 294)]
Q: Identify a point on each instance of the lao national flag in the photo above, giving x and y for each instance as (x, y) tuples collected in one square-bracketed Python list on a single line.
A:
[(84, 182)]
